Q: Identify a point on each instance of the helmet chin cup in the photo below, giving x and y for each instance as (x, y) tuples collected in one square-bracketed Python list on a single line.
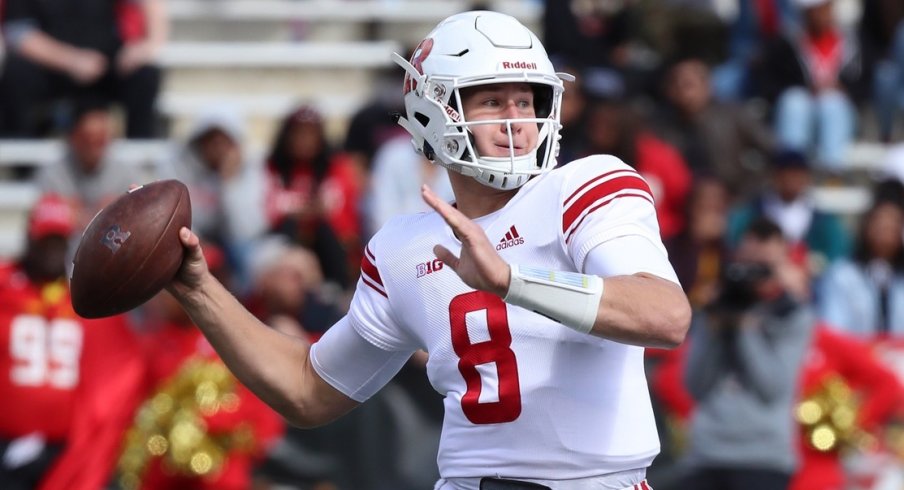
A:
[(471, 49)]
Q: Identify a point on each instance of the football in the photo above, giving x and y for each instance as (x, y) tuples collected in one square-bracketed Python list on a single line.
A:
[(130, 250)]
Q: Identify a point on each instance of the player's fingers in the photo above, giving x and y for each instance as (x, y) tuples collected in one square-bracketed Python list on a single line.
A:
[(192, 244), (448, 258), (464, 228), (452, 216)]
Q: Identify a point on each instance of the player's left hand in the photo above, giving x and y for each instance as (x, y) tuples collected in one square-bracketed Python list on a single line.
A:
[(479, 265)]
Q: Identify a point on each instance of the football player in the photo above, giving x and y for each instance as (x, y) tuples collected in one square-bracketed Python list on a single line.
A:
[(70, 384), (534, 293)]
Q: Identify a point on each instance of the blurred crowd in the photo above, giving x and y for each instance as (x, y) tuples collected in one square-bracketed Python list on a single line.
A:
[(791, 376)]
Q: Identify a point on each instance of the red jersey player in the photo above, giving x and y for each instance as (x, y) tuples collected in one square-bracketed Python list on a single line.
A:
[(68, 384), (534, 294)]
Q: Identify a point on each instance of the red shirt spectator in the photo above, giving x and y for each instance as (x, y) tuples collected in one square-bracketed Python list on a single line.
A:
[(313, 195), (70, 383)]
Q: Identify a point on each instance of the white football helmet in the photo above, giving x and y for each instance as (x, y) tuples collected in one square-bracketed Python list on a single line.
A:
[(477, 48)]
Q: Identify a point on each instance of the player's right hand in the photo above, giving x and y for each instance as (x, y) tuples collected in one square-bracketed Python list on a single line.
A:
[(191, 274)]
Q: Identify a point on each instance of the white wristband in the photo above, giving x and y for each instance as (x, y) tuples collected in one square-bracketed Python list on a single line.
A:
[(569, 298)]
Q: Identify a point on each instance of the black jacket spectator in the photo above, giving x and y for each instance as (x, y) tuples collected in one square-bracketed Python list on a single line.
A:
[(65, 49)]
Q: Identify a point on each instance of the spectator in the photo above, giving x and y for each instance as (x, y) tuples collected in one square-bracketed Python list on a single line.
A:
[(225, 182), (229, 428), (289, 292), (813, 78), (757, 24), (87, 176), (697, 28), (398, 173), (864, 295), (817, 238), (289, 296), (841, 373), (592, 34), (58, 48), (573, 114), (699, 250), (611, 128), (69, 385), (714, 137), (373, 125), (745, 356), (313, 194), (882, 37)]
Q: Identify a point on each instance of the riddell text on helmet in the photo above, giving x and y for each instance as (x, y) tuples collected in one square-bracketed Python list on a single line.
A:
[(519, 65)]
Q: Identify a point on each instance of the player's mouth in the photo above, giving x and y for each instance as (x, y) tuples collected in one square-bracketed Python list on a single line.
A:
[(505, 150)]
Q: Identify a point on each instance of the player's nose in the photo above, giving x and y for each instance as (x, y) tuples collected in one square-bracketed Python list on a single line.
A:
[(511, 110)]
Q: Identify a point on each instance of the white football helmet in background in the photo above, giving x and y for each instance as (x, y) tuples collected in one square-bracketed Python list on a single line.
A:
[(477, 48)]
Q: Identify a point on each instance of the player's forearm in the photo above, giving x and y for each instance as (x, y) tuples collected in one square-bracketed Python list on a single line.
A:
[(268, 362), (642, 309), (46, 51)]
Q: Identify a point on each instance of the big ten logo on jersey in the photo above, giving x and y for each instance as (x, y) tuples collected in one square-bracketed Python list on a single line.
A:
[(429, 267)]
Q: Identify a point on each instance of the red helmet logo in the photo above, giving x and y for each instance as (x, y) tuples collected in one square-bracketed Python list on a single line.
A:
[(417, 61)]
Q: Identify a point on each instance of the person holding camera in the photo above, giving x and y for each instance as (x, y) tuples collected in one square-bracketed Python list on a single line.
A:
[(746, 352)]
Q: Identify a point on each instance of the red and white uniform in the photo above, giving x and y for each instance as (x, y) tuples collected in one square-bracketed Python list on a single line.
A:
[(72, 381), (525, 397)]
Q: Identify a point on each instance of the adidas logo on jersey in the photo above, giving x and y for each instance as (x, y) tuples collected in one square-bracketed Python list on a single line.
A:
[(511, 239)]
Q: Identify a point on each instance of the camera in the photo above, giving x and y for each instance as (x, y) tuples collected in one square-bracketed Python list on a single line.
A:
[(739, 281)]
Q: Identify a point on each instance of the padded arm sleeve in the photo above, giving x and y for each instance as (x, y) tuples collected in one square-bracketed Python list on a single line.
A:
[(351, 364)]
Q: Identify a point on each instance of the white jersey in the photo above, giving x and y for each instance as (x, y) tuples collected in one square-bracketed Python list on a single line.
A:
[(524, 396)]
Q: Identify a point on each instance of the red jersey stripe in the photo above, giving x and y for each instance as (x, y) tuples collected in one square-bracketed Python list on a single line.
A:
[(373, 286), (601, 191), (596, 179), (370, 270), (607, 201)]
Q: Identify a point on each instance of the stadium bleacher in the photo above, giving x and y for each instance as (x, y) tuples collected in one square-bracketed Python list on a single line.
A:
[(265, 56)]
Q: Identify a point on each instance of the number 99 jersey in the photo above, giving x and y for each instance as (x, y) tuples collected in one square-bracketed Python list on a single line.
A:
[(524, 395)]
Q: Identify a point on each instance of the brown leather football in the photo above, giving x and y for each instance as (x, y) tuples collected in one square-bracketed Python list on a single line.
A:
[(130, 250)]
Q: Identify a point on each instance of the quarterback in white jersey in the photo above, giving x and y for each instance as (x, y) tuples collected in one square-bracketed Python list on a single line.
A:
[(524, 395), (534, 294)]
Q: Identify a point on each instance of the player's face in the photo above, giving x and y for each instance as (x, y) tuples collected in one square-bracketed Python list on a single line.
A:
[(501, 101)]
